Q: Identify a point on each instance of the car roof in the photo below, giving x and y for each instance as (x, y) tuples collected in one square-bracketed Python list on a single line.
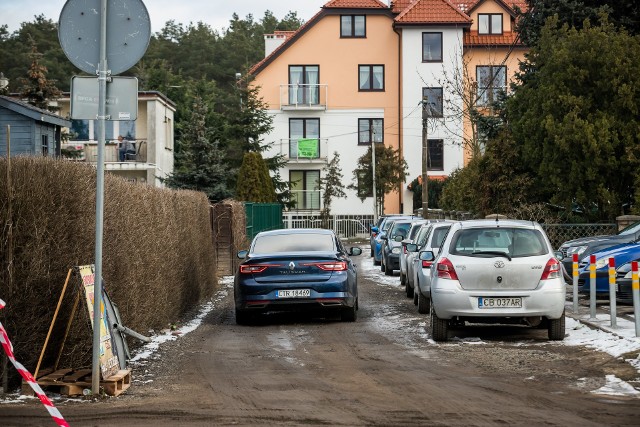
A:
[(498, 223), (289, 231)]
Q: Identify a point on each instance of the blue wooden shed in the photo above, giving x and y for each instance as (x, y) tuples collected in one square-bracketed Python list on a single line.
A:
[(34, 131)]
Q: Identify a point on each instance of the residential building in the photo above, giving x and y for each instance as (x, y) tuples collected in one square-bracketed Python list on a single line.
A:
[(152, 134), (363, 70), (32, 131)]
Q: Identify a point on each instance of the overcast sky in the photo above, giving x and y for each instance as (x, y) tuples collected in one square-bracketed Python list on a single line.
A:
[(216, 13)]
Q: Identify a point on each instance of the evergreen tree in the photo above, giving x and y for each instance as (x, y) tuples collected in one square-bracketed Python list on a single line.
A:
[(331, 186), (36, 88), (254, 182), (200, 164), (391, 171)]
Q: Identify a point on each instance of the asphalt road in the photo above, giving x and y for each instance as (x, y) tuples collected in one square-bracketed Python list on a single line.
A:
[(381, 370)]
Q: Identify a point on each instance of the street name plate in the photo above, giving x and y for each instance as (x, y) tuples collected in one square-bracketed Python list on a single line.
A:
[(122, 98)]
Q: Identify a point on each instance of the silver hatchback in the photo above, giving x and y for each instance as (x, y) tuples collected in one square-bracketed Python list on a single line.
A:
[(496, 271)]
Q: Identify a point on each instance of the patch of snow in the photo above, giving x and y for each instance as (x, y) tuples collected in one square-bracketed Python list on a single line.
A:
[(616, 387), (615, 345)]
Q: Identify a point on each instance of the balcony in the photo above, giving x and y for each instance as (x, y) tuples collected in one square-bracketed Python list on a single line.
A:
[(87, 151), (306, 199), (305, 97), (305, 150)]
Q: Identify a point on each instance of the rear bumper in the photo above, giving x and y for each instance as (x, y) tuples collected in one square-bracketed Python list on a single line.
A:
[(271, 302), (450, 300), (393, 262)]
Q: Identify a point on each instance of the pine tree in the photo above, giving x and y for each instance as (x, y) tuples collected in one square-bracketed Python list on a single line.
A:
[(36, 88), (254, 182), (331, 185), (200, 164)]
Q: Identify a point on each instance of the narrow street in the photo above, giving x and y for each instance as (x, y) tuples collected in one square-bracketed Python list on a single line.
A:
[(381, 370)]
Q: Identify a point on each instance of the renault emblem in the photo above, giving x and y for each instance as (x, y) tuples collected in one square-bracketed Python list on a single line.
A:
[(498, 264), (292, 266)]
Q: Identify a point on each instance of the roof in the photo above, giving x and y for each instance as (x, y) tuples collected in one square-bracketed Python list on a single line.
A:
[(32, 112), (432, 12), (467, 6), (355, 4), (398, 6), (472, 38)]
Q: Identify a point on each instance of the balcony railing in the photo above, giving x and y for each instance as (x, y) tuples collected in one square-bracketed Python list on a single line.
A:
[(306, 199), (305, 150), (87, 151), (303, 97)]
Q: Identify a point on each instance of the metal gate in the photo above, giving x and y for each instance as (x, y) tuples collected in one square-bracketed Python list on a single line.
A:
[(222, 226)]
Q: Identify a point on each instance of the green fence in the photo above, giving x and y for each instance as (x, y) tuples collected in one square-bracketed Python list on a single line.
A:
[(262, 217)]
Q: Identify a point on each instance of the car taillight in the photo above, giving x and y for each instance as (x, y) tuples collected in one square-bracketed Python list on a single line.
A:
[(427, 264), (374, 234), (551, 270), (254, 268), (446, 270), (404, 249), (330, 266)]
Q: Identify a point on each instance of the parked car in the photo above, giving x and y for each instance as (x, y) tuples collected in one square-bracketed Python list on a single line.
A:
[(621, 254), (392, 246), (419, 241), (421, 291), (296, 270), (491, 271), (589, 245), (624, 292), (381, 231), (416, 224)]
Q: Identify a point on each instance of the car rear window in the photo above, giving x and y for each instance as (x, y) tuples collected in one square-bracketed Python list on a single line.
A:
[(276, 243), (400, 229), (516, 242), (438, 236)]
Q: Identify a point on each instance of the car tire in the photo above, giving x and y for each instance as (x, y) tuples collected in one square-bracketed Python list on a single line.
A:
[(376, 262), (242, 317), (439, 327), (415, 296), (382, 267), (423, 303), (349, 314), (408, 290), (403, 279), (388, 271), (556, 328)]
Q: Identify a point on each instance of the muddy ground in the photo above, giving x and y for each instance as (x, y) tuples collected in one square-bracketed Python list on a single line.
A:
[(381, 370)]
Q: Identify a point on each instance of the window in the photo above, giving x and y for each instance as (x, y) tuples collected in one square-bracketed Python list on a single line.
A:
[(490, 23), (370, 130), (432, 99), (431, 47), (492, 81), (305, 189), (86, 130), (370, 78), (304, 138), (45, 145), (303, 84), (353, 26), (435, 154)]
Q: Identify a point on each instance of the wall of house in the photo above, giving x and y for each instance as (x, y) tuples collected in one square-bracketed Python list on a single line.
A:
[(338, 60), (417, 75), (21, 133), (490, 6)]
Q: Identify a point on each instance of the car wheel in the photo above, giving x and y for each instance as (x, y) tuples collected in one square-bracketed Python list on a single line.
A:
[(415, 296), (439, 327), (349, 314), (376, 262), (423, 303), (556, 328), (409, 290), (382, 267), (403, 279), (388, 271), (242, 317)]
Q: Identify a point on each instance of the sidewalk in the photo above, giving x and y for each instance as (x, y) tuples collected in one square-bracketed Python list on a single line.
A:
[(625, 322)]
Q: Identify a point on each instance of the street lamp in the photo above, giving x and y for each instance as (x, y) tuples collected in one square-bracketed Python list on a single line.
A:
[(4, 82)]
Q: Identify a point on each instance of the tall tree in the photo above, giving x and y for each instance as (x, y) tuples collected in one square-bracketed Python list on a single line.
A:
[(391, 171), (331, 186), (36, 87), (254, 182), (200, 164)]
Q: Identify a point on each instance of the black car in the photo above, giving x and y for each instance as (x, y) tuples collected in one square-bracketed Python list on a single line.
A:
[(589, 245), (624, 293), (392, 245), (305, 270)]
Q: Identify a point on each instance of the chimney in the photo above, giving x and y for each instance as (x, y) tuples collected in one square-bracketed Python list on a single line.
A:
[(273, 41)]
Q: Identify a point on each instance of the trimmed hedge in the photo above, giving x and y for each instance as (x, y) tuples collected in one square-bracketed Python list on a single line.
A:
[(158, 256)]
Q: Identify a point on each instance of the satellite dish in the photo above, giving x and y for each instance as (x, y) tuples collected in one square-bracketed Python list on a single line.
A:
[(128, 33)]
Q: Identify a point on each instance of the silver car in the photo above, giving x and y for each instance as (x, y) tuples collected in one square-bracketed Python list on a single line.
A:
[(496, 271), (411, 238), (412, 253), (422, 278)]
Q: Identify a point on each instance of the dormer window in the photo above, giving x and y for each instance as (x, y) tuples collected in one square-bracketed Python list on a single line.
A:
[(490, 23), (352, 26)]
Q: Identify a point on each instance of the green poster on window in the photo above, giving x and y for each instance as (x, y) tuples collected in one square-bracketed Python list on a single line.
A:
[(308, 148)]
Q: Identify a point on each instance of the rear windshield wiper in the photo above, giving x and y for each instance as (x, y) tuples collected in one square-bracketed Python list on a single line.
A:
[(499, 253)]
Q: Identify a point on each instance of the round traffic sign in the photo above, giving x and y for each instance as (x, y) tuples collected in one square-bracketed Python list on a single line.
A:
[(128, 33)]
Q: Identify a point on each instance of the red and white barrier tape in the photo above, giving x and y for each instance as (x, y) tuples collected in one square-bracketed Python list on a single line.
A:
[(8, 348)]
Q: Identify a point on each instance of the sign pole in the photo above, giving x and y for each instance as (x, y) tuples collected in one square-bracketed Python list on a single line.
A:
[(97, 293)]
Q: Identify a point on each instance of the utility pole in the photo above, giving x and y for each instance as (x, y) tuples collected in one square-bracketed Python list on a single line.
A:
[(373, 168), (425, 157)]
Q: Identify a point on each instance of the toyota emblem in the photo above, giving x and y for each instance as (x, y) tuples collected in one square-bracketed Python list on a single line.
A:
[(292, 266), (498, 264)]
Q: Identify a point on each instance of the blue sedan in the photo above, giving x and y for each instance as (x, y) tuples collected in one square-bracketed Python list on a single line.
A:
[(622, 254), (296, 270)]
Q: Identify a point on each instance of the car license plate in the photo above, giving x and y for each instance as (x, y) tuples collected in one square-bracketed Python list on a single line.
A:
[(294, 293), (509, 302)]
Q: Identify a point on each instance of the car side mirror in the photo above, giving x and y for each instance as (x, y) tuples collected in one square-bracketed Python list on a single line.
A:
[(354, 251), (383, 237), (398, 238), (412, 247), (242, 254), (559, 256), (426, 256)]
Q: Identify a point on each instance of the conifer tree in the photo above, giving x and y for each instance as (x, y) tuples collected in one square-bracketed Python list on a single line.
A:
[(332, 187), (36, 88), (254, 182)]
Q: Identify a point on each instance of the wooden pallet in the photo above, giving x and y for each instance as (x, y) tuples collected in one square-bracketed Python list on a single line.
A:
[(69, 382)]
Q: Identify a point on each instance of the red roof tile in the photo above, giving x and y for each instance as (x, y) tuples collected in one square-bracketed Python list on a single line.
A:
[(355, 4), (397, 6), (472, 38), (432, 12), (467, 5)]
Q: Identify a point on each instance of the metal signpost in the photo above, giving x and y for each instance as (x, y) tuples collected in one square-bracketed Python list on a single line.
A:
[(103, 37)]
